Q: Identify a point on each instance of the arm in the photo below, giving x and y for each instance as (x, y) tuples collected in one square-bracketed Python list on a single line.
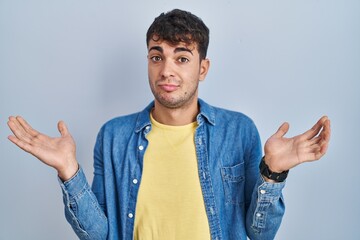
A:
[(82, 209), (81, 206), (264, 202), (267, 206)]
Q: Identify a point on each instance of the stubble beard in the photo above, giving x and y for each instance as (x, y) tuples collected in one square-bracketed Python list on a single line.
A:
[(175, 102)]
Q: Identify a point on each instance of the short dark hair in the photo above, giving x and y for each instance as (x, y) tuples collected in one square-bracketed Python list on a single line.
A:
[(180, 26)]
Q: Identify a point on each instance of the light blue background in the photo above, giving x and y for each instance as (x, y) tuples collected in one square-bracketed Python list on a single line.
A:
[(85, 62)]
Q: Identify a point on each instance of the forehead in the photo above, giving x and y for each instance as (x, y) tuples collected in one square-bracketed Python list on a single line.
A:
[(165, 45)]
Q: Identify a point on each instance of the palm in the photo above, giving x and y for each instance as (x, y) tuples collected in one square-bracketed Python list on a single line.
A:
[(58, 152), (52, 151), (285, 153)]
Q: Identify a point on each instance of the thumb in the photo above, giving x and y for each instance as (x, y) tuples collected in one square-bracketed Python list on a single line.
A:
[(63, 129), (283, 129)]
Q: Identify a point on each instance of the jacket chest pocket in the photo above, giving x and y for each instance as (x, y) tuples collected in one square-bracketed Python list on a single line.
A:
[(234, 183)]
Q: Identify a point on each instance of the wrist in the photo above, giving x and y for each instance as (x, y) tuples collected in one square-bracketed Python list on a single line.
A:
[(69, 171), (268, 179), (269, 175), (271, 162)]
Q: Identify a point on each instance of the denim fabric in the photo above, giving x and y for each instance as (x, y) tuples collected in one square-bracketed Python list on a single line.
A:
[(239, 204)]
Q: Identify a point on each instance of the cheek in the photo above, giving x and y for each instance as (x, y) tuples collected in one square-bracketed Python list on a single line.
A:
[(192, 74), (151, 74), (154, 70)]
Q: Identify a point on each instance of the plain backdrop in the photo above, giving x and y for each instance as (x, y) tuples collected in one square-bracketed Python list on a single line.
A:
[(84, 62)]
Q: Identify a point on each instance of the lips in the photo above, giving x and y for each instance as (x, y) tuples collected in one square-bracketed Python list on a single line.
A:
[(169, 87)]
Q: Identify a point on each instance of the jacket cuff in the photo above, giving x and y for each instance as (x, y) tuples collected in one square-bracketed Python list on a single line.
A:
[(269, 191), (75, 185)]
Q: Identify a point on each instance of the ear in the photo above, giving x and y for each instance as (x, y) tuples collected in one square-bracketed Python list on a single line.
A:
[(204, 68)]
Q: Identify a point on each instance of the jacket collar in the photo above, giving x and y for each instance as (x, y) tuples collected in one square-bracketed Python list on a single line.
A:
[(207, 113)]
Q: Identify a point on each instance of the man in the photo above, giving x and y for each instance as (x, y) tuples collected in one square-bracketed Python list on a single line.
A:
[(179, 169)]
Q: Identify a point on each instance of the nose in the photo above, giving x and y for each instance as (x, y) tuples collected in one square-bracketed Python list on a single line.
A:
[(167, 70)]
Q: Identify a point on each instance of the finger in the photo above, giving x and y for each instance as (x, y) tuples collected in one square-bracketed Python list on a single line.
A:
[(315, 129), (13, 124), (315, 148), (21, 144), (315, 141), (324, 148), (26, 132), (312, 154), (63, 129), (326, 132), (319, 150), (17, 129), (27, 127), (324, 135), (283, 129), (23, 131)]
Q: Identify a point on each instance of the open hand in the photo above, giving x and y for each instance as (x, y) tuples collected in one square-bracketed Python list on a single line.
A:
[(282, 153), (58, 152)]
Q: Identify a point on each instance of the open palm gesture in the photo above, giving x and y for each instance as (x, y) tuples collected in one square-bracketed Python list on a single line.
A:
[(58, 152), (282, 153)]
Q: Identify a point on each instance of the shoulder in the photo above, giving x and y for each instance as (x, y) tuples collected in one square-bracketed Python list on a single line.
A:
[(129, 123), (121, 121), (235, 122), (232, 116), (220, 116), (232, 127), (119, 128)]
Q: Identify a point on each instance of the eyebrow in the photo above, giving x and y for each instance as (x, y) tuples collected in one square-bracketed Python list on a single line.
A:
[(176, 50)]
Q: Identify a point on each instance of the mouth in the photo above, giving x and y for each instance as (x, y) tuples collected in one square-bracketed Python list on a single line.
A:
[(168, 87)]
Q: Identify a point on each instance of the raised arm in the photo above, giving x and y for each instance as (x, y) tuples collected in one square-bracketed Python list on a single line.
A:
[(58, 152), (81, 211), (282, 153)]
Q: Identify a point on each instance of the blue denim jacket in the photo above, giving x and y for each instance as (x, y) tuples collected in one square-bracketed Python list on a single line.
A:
[(238, 202)]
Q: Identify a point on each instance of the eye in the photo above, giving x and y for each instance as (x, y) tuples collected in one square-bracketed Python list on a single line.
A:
[(155, 58), (183, 60)]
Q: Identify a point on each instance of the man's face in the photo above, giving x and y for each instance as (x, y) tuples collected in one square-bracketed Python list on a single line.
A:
[(174, 73)]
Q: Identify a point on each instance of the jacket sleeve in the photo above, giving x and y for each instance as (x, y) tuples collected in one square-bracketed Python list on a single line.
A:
[(264, 201), (82, 209), (266, 210)]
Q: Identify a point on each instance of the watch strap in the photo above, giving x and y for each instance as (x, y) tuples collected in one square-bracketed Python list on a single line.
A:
[(265, 171)]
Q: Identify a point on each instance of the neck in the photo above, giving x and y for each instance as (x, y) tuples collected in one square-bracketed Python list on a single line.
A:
[(175, 116)]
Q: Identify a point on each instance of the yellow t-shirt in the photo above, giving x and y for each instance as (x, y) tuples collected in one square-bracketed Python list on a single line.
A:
[(170, 204)]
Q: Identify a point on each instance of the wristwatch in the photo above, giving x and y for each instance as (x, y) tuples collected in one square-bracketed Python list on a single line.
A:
[(265, 171)]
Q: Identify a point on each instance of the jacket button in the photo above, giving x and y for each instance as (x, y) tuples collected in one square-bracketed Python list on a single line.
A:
[(130, 215), (141, 147)]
